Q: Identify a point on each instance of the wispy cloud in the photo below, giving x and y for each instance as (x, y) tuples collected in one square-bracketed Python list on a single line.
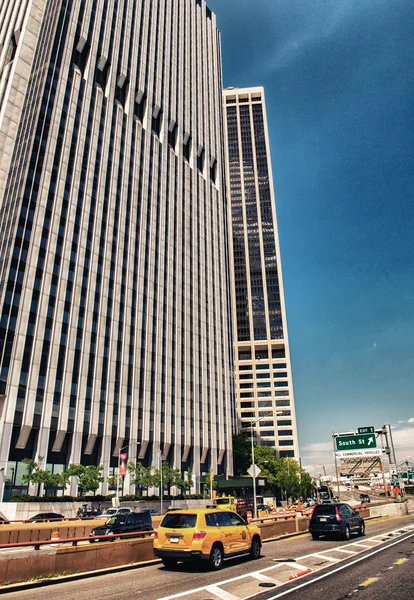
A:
[(312, 27)]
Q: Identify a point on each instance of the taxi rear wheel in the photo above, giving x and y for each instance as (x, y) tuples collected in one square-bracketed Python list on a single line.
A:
[(256, 548), (216, 557)]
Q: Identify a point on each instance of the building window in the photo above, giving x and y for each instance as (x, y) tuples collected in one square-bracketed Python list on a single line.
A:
[(172, 134), (200, 159), (187, 147), (157, 119)]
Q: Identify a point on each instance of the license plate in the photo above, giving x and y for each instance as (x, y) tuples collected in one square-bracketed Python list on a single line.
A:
[(322, 519), (174, 540)]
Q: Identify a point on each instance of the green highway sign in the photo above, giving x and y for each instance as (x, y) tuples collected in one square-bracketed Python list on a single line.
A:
[(364, 441), (366, 429), (407, 474)]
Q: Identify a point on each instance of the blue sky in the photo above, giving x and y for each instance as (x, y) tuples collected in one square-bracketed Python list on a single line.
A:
[(339, 84)]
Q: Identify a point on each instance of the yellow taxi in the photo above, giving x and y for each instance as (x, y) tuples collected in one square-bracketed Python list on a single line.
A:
[(207, 534)]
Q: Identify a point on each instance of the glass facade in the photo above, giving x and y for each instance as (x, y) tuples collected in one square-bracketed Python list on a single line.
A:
[(260, 329)]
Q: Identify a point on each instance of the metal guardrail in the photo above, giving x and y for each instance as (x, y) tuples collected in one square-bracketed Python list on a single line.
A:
[(64, 520), (74, 541)]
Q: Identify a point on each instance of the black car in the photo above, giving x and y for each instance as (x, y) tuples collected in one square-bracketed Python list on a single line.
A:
[(335, 518), (39, 518), (131, 523), (365, 499)]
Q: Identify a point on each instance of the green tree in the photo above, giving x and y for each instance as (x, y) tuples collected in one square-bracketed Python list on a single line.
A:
[(187, 482), (285, 476), (242, 453), (170, 477), (141, 476), (89, 477), (34, 474), (114, 482)]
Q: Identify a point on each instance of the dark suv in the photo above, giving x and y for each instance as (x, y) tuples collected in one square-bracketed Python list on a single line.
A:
[(335, 519), (131, 523)]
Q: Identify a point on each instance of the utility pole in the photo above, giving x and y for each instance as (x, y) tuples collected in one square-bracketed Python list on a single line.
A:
[(336, 464), (161, 484)]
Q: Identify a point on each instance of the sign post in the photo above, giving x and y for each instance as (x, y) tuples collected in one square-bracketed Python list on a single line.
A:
[(336, 464)]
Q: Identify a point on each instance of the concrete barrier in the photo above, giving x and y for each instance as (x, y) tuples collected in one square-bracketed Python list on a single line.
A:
[(398, 509), (35, 532), (58, 561)]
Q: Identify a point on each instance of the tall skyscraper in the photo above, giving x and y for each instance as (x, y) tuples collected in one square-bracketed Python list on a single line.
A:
[(114, 301), (263, 376)]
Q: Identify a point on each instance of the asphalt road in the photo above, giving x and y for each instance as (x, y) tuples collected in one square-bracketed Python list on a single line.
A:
[(387, 574), (244, 578)]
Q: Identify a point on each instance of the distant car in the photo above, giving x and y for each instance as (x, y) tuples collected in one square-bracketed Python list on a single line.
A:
[(336, 519), (265, 508), (365, 499), (47, 517), (90, 514), (208, 534), (110, 512), (154, 512), (124, 523)]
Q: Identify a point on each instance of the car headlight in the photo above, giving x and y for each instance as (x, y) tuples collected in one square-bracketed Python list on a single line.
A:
[(109, 532), (93, 532)]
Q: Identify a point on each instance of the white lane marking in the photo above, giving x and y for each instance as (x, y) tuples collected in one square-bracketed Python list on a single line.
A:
[(326, 557), (362, 545), (287, 563), (350, 564), (299, 566), (347, 551), (265, 578), (214, 589)]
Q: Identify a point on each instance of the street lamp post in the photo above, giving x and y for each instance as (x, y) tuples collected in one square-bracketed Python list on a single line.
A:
[(161, 484), (275, 414), (119, 466)]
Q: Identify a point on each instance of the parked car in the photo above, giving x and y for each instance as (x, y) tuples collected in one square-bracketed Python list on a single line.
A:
[(47, 517), (124, 523), (110, 512), (365, 499), (205, 534), (265, 508), (91, 514), (337, 518)]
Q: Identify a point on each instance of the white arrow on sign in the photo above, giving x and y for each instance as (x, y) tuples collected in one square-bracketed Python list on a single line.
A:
[(370, 441)]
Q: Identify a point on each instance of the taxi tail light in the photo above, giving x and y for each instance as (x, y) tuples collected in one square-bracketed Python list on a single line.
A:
[(156, 534), (338, 518), (199, 535)]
